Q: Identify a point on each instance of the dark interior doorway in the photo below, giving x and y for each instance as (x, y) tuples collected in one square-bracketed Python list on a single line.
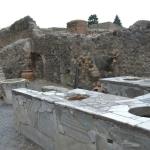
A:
[(37, 65)]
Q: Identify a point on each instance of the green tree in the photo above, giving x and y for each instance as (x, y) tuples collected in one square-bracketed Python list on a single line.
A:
[(117, 21), (92, 19)]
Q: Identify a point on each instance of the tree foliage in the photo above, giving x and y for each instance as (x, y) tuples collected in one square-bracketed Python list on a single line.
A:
[(117, 21), (93, 19)]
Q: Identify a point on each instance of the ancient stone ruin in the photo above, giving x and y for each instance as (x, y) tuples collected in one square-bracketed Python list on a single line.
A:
[(74, 59), (77, 26), (75, 88)]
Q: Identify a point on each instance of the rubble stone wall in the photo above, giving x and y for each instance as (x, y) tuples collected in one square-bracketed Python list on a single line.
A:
[(64, 54), (14, 57), (77, 26), (77, 60), (18, 30)]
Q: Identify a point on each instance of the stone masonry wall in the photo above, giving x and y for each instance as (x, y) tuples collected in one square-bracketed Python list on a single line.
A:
[(15, 57), (65, 54), (16, 46), (102, 55), (78, 60), (77, 26), (18, 30), (134, 55)]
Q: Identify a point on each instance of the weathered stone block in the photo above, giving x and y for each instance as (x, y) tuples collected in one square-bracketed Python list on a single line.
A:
[(7, 85)]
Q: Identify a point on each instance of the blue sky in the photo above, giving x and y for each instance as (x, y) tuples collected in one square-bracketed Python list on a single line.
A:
[(56, 13)]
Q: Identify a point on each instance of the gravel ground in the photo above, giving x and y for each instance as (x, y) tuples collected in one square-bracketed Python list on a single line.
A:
[(9, 138)]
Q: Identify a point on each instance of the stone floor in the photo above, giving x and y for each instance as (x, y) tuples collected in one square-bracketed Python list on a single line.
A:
[(9, 138)]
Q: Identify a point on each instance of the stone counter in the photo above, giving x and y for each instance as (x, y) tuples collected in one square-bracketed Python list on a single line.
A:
[(127, 86), (98, 122)]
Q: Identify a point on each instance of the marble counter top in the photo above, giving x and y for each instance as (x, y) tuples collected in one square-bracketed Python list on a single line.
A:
[(104, 106), (128, 80)]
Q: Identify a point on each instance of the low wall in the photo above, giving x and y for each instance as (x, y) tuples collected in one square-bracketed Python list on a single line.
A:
[(6, 87), (55, 123)]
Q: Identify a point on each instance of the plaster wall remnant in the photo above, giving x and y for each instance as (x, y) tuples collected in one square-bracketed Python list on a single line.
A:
[(77, 26)]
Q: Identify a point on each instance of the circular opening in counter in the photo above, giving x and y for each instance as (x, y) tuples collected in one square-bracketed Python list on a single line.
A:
[(141, 111), (78, 97)]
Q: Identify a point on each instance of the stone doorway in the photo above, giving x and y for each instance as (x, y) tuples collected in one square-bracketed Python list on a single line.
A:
[(37, 65)]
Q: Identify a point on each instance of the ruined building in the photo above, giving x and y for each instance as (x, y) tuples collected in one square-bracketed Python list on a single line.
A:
[(53, 117), (77, 58)]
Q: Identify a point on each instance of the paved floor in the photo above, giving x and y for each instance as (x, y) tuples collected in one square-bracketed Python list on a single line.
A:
[(9, 138)]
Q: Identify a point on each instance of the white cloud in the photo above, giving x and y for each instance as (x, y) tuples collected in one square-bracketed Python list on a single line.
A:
[(48, 13)]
